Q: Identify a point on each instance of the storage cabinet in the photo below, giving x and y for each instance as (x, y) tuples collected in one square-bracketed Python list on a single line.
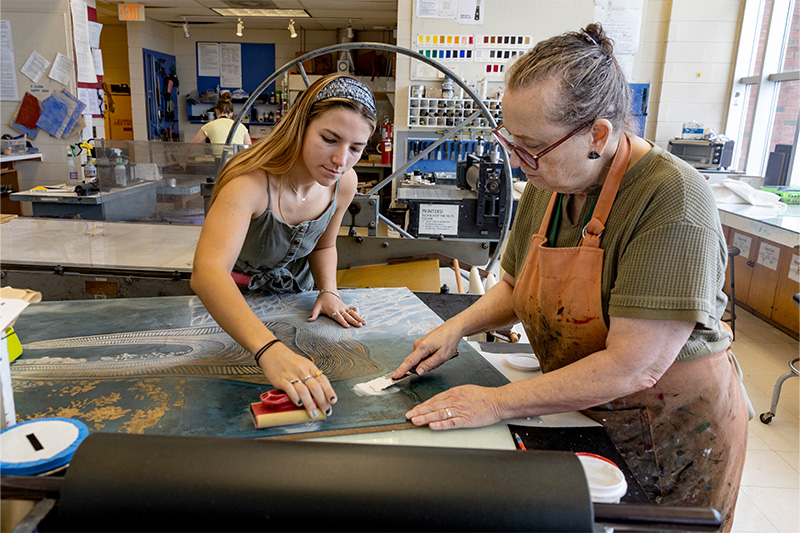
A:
[(443, 112), (767, 275), (197, 112)]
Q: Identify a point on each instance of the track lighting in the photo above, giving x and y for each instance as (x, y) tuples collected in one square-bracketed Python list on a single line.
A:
[(350, 29), (292, 32), (239, 28), (185, 28)]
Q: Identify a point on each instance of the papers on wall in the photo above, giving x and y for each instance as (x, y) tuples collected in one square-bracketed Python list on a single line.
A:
[(440, 9), (35, 66), (230, 65), (61, 70), (208, 59), (95, 28), (8, 72), (80, 36), (92, 99), (470, 12), (622, 21), (97, 57)]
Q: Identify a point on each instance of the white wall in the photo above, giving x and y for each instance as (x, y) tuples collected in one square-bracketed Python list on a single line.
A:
[(698, 65), (44, 26)]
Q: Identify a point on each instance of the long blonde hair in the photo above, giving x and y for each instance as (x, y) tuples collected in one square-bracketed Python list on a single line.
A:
[(278, 152)]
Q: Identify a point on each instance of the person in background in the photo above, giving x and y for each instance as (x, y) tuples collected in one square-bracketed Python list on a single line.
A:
[(615, 266), (273, 221), (217, 130)]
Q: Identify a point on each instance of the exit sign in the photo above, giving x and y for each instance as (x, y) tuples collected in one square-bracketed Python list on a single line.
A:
[(131, 12)]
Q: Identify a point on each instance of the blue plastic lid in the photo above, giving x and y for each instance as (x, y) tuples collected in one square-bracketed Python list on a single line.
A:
[(39, 446)]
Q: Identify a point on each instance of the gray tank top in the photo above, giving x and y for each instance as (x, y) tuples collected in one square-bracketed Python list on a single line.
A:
[(275, 254)]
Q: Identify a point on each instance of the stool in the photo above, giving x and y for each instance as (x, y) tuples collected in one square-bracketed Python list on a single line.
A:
[(776, 392), (733, 251)]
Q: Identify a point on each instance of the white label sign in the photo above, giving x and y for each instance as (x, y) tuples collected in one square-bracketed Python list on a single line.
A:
[(742, 242), (768, 255), (435, 219), (794, 268)]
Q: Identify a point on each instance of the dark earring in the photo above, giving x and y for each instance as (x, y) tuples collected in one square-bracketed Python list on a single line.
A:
[(594, 155)]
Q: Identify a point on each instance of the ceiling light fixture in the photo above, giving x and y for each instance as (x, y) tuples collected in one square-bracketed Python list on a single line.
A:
[(349, 29), (239, 28), (185, 28), (277, 13), (292, 32)]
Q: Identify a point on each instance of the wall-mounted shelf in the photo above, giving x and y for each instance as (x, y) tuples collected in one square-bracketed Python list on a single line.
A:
[(443, 112)]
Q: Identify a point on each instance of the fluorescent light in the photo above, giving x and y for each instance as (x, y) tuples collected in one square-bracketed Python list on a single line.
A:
[(292, 32), (239, 28), (282, 13)]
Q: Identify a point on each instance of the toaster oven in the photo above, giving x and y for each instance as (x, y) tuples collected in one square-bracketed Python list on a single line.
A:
[(703, 153)]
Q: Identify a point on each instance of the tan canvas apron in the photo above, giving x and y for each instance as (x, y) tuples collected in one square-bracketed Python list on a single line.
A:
[(683, 438)]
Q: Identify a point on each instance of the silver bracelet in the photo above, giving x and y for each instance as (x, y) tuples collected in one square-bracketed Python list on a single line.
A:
[(330, 292)]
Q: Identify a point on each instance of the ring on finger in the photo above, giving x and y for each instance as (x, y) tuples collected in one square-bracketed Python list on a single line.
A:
[(294, 381), (333, 315), (318, 373), (306, 378), (449, 414)]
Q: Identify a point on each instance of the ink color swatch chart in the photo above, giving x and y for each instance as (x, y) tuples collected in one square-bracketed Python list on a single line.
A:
[(494, 52)]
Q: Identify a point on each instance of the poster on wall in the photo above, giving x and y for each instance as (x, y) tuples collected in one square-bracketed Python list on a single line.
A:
[(437, 9), (81, 38), (230, 65), (208, 59), (8, 72), (470, 12)]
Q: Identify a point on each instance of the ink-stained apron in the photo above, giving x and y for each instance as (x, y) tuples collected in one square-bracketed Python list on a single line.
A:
[(683, 438)]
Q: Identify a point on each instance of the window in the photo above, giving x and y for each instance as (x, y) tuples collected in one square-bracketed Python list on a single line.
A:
[(765, 104)]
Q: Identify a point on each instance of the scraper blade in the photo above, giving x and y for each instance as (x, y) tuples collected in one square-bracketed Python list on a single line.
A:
[(384, 382)]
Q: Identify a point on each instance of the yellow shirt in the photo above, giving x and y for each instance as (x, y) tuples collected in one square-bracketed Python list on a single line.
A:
[(217, 131)]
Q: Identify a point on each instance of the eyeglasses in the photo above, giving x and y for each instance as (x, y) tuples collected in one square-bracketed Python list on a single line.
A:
[(524, 155)]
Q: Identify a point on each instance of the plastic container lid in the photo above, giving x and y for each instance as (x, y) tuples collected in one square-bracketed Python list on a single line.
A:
[(606, 481), (40, 446)]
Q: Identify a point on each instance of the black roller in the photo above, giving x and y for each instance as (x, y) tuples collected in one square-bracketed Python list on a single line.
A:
[(138, 482)]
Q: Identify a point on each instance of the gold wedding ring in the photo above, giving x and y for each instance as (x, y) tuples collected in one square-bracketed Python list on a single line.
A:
[(318, 374)]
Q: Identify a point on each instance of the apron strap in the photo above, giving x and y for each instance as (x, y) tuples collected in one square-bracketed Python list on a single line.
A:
[(548, 215), (594, 229)]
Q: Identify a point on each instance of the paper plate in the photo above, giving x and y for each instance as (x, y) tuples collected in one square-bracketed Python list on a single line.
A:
[(527, 363), (40, 446)]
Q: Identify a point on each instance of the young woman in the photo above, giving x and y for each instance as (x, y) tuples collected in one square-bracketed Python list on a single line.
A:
[(217, 130), (273, 221)]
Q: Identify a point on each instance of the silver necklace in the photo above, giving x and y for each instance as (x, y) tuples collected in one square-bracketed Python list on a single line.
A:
[(302, 198)]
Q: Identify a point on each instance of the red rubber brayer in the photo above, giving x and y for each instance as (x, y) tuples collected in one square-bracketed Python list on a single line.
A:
[(277, 409)]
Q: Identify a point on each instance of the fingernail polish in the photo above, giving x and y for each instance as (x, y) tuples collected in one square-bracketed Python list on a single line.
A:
[(299, 403), (315, 413), (328, 411), (333, 398)]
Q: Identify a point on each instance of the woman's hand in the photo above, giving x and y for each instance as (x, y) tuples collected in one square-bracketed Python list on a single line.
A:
[(332, 306), (299, 378), (440, 344), (467, 406)]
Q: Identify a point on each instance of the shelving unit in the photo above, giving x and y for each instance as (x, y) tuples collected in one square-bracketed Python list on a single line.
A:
[(443, 112), (196, 112)]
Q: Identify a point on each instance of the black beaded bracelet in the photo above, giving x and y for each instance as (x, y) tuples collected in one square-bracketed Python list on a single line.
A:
[(263, 349)]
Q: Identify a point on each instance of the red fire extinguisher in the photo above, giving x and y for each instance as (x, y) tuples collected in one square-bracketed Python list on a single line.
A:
[(385, 147)]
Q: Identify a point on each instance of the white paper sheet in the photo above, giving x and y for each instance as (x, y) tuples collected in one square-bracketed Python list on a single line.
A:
[(35, 66), (230, 67), (436, 9), (89, 97), (97, 57), (8, 72), (80, 36), (208, 59), (61, 69), (470, 12), (622, 21), (95, 28)]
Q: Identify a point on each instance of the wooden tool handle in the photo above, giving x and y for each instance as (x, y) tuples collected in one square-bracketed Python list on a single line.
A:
[(459, 283)]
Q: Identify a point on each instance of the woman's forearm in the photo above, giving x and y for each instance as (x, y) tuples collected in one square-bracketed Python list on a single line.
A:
[(322, 263), (223, 300)]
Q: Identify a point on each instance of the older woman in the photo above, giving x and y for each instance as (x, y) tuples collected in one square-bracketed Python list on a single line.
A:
[(615, 267)]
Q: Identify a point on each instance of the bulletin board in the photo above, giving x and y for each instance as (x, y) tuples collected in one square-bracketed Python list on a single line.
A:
[(257, 62), (483, 50)]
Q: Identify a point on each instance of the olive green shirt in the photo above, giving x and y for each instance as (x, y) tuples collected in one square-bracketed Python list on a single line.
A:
[(664, 251)]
